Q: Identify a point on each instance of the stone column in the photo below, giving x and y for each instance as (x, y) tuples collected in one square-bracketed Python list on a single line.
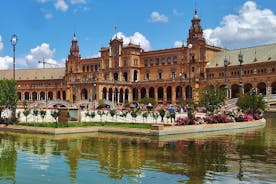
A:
[(156, 95), (165, 95), (173, 94)]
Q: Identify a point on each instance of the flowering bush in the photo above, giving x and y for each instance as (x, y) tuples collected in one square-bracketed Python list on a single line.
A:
[(182, 121), (258, 116), (218, 118), (248, 117)]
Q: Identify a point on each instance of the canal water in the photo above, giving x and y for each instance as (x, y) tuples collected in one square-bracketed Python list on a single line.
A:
[(247, 156)]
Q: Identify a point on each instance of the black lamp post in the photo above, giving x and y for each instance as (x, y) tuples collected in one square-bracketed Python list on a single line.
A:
[(240, 57), (252, 94), (93, 92), (189, 60), (226, 63), (14, 40)]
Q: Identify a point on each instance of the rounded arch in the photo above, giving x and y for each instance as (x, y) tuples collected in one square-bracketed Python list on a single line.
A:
[(169, 94), (19, 95), (143, 92), (247, 87), (135, 75), (58, 95), (64, 95), (273, 88), (125, 76), (104, 93), (27, 95), (50, 95), (160, 92), (84, 94), (135, 94), (126, 95), (116, 95), (235, 90), (121, 96), (110, 91), (261, 88), (151, 92), (42, 95), (34, 95), (178, 92), (189, 92)]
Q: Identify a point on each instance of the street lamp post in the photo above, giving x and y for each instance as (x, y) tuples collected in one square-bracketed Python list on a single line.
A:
[(46, 94), (93, 93), (14, 42), (226, 63), (189, 60), (240, 57)]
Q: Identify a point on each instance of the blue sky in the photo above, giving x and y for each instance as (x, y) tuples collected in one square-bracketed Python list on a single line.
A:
[(45, 27)]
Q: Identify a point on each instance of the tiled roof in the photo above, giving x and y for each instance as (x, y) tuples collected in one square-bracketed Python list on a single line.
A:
[(33, 74), (263, 53)]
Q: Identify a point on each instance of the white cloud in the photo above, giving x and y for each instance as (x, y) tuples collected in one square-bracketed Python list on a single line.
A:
[(6, 62), (177, 13), (157, 17), (1, 43), (178, 44), (78, 1), (48, 16), (137, 38), (252, 26), (42, 52), (61, 5)]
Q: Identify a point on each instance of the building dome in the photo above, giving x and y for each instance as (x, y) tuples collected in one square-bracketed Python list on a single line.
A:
[(195, 15)]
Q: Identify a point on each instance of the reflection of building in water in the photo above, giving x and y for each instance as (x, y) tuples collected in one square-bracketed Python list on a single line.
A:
[(120, 156), (128, 73)]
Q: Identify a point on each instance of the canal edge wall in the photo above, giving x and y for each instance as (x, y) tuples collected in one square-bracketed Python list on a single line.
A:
[(158, 130)]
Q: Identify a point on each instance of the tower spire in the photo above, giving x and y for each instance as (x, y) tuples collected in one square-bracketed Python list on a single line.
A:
[(195, 31), (74, 49), (116, 29)]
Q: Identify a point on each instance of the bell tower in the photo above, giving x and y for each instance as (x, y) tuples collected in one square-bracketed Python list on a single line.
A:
[(73, 60), (196, 31), (74, 50)]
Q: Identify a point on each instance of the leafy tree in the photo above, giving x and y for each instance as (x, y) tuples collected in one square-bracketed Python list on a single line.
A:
[(90, 114), (146, 100), (112, 112), (155, 116), (162, 113), (18, 114), (42, 114), (26, 113), (101, 104), (145, 115), (8, 96), (212, 97), (55, 115), (251, 102), (134, 113), (100, 113), (35, 113)]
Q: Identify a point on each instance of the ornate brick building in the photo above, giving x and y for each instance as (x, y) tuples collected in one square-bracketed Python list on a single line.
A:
[(128, 73)]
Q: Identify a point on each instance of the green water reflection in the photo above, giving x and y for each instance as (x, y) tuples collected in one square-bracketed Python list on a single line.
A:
[(228, 157)]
